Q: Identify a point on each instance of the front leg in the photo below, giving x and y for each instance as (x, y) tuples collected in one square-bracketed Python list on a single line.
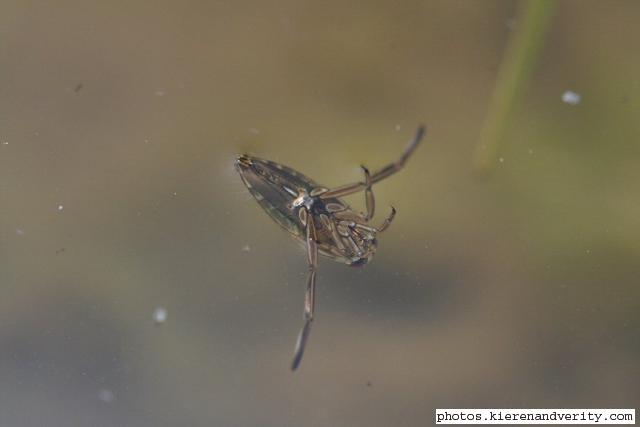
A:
[(309, 298), (387, 221), (370, 201)]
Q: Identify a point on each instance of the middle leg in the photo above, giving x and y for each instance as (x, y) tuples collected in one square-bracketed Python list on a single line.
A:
[(348, 189), (379, 175)]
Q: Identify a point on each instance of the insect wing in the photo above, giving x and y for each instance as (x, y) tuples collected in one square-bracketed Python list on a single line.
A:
[(275, 187)]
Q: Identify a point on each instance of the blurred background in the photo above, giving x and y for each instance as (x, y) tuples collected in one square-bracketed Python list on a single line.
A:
[(141, 285)]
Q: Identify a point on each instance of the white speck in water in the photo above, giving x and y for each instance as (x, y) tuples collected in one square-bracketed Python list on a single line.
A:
[(246, 248), (254, 131), (501, 159), (398, 127), (106, 395), (571, 98), (160, 93), (160, 315), (530, 151), (19, 231), (175, 193), (60, 207), (5, 142)]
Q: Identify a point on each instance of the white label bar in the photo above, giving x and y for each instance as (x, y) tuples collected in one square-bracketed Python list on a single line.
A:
[(535, 416)]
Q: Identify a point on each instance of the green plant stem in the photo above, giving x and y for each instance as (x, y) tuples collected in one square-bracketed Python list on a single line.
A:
[(515, 71)]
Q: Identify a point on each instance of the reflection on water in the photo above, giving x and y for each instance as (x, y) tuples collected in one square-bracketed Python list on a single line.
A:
[(143, 286)]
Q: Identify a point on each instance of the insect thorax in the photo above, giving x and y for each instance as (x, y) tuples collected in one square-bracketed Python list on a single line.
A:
[(343, 234)]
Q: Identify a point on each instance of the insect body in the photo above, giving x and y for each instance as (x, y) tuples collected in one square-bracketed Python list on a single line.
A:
[(317, 216)]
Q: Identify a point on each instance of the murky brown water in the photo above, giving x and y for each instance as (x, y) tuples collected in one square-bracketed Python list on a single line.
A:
[(143, 286)]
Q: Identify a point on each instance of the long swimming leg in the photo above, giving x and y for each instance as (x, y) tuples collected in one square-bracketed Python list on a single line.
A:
[(312, 257), (379, 175)]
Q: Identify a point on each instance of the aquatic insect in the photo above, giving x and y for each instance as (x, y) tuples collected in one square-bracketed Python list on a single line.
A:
[(316, 216)]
